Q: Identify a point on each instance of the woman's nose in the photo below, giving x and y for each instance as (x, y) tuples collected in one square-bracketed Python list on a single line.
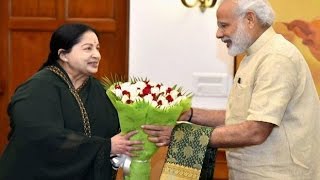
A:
[(97, 54)]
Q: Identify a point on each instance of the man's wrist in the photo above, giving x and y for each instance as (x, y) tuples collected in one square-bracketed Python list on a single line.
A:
[(191, 115)]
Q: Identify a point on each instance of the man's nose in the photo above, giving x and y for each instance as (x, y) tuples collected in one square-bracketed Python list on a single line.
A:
[(219, 33)]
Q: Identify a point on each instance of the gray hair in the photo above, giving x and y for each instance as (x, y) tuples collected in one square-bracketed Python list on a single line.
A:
[(261, 8)]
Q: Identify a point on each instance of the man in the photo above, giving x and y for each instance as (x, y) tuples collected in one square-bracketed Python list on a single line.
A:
[(272, 122)]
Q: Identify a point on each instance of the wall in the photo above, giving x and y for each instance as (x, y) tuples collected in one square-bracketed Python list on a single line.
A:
[(170, 43), (300, 24)]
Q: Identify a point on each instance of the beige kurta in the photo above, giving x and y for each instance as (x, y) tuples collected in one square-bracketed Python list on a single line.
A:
[(273, 84)]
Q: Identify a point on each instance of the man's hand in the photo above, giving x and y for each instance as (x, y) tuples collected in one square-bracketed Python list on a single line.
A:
[(160, 135)]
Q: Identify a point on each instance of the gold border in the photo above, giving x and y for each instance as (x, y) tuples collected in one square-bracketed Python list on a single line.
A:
[(171, 170)]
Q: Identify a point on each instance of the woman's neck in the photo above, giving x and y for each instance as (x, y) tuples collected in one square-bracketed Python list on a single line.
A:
[(77, 79)]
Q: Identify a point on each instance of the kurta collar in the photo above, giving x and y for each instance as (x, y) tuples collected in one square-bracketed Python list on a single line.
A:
[(261, 41)]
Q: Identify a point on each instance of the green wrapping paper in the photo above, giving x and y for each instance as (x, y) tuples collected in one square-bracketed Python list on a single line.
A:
[(133, 116)]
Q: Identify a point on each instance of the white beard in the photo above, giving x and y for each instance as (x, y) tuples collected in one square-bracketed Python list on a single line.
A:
[(241, 40)]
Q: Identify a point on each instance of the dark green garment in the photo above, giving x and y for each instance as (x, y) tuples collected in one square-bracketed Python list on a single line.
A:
[(47, 140)]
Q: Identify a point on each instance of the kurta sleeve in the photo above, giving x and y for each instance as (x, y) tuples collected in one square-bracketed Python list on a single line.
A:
[(40, 140), (274, 87)]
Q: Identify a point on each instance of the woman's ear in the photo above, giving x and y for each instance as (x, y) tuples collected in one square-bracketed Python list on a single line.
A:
[(62, 55)]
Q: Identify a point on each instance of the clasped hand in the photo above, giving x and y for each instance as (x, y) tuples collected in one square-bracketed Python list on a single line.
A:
[(160, 135), (121, 144)]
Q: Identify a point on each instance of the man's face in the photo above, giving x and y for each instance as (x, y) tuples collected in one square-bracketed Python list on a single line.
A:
[(232, 30), (237, 42)]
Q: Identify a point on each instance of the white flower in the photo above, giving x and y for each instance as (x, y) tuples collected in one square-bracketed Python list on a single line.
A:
[(125, 98), (148, 98), (174, 93), (140, 85), (117, 92), (155, 90), (157, 95), (163, 89)]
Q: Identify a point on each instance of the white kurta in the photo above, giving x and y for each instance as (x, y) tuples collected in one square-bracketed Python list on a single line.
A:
[(273, 84)]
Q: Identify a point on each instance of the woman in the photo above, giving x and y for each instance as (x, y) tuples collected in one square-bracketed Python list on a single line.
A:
[(63, 124)]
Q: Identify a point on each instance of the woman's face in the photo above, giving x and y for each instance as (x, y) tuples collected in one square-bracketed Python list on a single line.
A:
[(84, 57)]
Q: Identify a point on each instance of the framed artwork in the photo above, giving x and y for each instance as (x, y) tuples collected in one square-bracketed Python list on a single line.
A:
[(300, 24)]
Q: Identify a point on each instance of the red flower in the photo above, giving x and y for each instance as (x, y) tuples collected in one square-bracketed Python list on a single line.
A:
[(169, 98), (154, 97), (159, 86), (117, 86), (146, 90), (126, 93), (169, 90), (155, 94)]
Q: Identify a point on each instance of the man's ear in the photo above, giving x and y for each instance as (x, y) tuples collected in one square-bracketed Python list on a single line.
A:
[(62, 55), (251, 19)]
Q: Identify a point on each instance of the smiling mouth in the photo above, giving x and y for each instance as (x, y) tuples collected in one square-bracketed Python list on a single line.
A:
[(93, 63), (228, 43)]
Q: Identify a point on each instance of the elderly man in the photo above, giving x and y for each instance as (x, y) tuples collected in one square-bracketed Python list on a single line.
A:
[(272, 122)]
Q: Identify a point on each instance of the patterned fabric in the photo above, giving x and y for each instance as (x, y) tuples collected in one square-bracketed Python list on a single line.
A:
[(186, 152)]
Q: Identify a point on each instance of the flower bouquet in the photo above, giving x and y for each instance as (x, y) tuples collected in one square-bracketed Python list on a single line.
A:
[(139, 102)]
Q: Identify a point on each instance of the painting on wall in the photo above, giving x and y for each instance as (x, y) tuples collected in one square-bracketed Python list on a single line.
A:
[(300, 24)]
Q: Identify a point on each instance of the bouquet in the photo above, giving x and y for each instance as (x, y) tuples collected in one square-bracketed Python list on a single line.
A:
[(138, 102)]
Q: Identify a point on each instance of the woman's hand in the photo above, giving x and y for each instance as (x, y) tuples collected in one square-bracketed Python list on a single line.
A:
[(121, 144), (160, 135)]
